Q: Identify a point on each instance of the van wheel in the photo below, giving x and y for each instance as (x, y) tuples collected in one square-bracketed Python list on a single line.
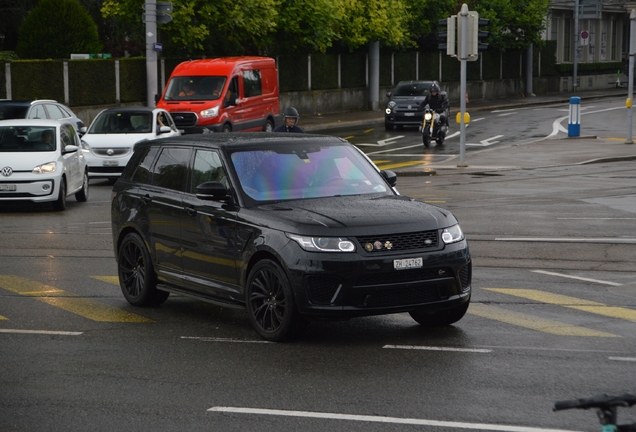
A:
[(269, 125), (227, 128)]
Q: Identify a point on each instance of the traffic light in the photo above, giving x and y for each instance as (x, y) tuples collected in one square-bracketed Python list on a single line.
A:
[(475, 35), (163, 12), (448, 37)]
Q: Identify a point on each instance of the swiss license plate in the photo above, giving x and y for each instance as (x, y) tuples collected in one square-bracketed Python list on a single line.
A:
[(409, 114), (7, 187), (407, 263), (111, 163)]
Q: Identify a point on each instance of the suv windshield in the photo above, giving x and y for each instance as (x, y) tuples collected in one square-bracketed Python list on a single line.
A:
[(13, 111), (27, 139), (293, 172), (195, 88)]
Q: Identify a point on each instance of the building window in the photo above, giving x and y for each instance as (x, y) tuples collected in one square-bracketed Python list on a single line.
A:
[(567, 40)]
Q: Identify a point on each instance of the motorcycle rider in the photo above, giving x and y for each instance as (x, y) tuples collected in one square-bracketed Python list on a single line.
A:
[(290, 118), (438, 101)]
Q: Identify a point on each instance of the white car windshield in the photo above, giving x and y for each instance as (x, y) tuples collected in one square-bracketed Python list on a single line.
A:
[(122, 122), (288, 172), (27, 138)]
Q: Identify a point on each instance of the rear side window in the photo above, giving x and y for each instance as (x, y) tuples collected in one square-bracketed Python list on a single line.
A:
[(37, 112), (252, 83), (171, 169), (142, 173), (55, 112)]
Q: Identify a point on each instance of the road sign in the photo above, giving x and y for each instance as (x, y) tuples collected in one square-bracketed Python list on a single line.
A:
[(585, 37)]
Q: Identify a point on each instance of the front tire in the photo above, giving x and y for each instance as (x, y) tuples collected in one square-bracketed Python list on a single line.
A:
[(388, 127), (137, 277), (226, 128), (270, 303), (441, 318), (82, 194), (60, 203), (426, 136)]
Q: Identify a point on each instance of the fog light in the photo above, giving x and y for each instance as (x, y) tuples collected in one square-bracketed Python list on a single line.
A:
[(46, 187)]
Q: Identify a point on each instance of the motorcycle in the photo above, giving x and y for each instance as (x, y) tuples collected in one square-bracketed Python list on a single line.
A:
[(431, 128)]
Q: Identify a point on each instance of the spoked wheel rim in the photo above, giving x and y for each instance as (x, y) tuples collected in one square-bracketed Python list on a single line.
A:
[(132, 269), (268, 303)]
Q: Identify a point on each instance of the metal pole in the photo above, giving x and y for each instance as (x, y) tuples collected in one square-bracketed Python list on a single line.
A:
[(575, 61), (374, 75), (463, 16), (529, 64), (630, 85), (151, 54)]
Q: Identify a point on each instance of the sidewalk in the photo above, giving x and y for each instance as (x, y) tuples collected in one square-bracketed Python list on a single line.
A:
[(542, 153)]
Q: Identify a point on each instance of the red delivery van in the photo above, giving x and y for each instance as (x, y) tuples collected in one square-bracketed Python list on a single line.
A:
[(223, 95)]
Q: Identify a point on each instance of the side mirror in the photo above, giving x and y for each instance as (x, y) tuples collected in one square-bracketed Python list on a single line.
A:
[(70, 149), (388, 94), (164, 129), (213, 191), (82, 130), (390, 177), (157, 97)]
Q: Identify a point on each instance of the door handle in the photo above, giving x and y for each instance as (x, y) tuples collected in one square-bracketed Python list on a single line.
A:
[(191, 211), (146, 199)]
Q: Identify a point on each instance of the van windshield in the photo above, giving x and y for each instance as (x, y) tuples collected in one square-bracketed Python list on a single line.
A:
[(195, 88)]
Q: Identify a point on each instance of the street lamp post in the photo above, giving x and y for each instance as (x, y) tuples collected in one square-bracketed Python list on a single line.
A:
[(630, 85)]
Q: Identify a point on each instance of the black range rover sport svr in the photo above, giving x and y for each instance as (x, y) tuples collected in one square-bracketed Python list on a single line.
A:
[(292, 228)]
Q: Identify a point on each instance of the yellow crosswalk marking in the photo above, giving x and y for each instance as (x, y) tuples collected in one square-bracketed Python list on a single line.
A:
[(90, 309), (570, 302), (399, 165), (108, 279), (3, 318), (533, 322)]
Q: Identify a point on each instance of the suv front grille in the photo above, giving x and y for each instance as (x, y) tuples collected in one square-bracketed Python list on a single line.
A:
[(401, 242)]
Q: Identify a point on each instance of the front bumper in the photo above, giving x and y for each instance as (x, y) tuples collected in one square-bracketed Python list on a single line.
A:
[(104, 166), (30, 189), (344, 285)]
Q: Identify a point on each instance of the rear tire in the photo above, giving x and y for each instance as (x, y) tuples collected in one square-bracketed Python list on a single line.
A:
[(441, 318), (270, 303), (269, 125), (82, 194), (441, 136), (137, 277)]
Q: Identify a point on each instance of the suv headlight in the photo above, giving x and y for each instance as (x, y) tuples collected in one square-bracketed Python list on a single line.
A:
[(211, 112), (452, 234), (46, 168), (323, 244)]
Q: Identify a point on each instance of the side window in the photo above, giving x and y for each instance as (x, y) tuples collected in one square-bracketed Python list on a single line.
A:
[(252, 83), (233, 91), (142, 173), (67, 136), (171, 169), (54, 112), (207, 167), (37, 112)]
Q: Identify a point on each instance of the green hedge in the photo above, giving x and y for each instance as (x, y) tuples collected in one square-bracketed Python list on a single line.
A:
[(37, 79), (353, 70), (511, 64), (3, 81), (91, 82), (429, 65), (385, 69), (132, 79), (589, 68), (293, 73), (324, 72), (404, 65)]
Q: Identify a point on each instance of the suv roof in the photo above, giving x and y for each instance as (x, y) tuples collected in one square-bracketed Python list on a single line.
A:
[(24, 102)]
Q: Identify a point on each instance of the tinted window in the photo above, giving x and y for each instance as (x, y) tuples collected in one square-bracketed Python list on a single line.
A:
[(171, 168), (252, 83), (67, 134), (142, 173), (207, 167), (412, 89), (122, 122), (27, 139), (13, 112)]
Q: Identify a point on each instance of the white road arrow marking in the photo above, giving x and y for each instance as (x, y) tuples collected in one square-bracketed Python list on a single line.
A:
[(383, 143), (487, 142)]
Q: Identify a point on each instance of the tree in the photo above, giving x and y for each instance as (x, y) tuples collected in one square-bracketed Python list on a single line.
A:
[(57, 28), (513, 24)]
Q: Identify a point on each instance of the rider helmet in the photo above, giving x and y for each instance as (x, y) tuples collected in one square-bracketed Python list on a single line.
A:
[(434, 88), (290, 112)]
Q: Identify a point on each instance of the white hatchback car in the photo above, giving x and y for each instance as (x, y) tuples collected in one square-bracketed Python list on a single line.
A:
[(109, 141), (41, 161)]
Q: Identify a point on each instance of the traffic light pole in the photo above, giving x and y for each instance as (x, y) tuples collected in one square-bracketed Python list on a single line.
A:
[(630, 75), (151, 54), (463, 16)]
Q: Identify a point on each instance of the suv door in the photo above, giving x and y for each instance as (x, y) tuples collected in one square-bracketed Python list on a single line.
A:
[(162, 196), (208, 232)]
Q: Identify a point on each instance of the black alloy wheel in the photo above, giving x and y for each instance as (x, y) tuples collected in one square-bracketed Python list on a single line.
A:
[(270, 303), (137, 277)]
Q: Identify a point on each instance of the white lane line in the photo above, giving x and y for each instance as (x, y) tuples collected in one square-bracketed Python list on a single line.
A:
[(507, 114), (381, 419), (592, 218), (395, 149), (577, 277), (213, 339), (628, 359), (433, 348), (43, 332), (569, 240)]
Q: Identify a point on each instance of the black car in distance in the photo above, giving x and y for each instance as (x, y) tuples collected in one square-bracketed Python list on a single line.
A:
[(292, 228), (402, 109)]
